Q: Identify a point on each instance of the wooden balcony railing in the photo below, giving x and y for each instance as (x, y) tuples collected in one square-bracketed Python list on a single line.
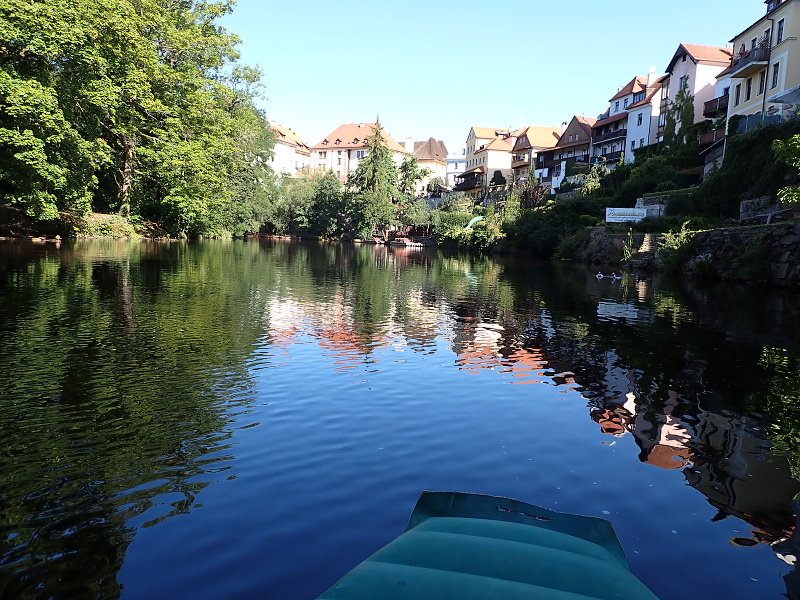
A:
[(708, 138), (716, 106)]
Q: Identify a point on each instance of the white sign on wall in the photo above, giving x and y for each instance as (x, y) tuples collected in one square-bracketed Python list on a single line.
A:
[(624, 215)]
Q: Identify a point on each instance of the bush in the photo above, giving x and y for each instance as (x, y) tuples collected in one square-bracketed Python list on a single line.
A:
[(587, 221)]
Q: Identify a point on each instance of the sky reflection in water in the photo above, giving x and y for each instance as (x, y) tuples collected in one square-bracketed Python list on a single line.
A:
[(230, 420)]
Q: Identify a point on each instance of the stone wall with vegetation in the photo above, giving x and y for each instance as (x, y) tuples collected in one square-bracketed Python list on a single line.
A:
[(759, 254)]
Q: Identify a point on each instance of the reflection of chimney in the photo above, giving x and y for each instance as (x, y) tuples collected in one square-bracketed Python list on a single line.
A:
[(563, 126)]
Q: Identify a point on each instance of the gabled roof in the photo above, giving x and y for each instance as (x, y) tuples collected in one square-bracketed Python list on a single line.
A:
[(284, 135), (501, 144), (430, 150), (634, 86), (488, 132), (536, 136), (353, 135), (651, 91), (584, 124), (702, 54)]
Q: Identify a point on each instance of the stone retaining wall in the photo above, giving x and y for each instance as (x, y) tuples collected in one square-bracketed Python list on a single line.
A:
[(765, 254)]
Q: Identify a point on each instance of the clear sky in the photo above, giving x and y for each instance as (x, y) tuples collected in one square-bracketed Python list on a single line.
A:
[(434, 69)]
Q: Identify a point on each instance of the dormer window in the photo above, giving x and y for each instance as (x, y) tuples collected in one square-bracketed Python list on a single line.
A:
[(337, 142), (324, 142)]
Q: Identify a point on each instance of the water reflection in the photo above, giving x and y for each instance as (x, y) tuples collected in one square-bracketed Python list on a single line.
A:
[(124, 367)]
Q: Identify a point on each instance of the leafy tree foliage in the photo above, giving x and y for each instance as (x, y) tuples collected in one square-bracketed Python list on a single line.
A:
[(410, 173), (125, 105), (373, 187)]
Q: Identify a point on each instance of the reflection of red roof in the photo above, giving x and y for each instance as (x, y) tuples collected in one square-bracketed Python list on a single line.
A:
[(668, 457)]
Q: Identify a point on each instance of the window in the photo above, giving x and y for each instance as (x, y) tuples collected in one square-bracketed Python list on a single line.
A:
[(779, 39), (633, 144), (753, 43), (662, 120), (638, 97), (762, 81), (737, 95), (748, 89), (339, 160), (625, 104), (322, 154), (775, 71), (616, 105), (339, 174), (641, 142), (339, 152), (767, 35), (361, 153), (569, 154), (726, 91), (639, 119)]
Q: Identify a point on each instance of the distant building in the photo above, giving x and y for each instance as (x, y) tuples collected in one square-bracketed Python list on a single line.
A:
[(291, 154), (456, 164), (572, 149), (629, 123), (432, 155), (342, 149), (695, 67), (487, 149), (530, 141)]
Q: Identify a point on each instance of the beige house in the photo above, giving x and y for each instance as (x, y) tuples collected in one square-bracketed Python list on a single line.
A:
[(482, 162), (765, 69), (291, 154), (345, 146), (432, 155), (530, 141)]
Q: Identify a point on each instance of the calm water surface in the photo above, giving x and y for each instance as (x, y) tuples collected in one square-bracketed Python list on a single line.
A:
[(250, 420)]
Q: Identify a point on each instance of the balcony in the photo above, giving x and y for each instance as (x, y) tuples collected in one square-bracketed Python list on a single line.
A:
[(520, 163), (468, 184), (745, 65), (611, 135), (710, 137), (717, 106), (610, 157), (554, 162)]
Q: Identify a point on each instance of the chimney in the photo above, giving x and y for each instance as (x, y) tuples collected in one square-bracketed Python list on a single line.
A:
[(563, 127), (651, 76), (409, 144)]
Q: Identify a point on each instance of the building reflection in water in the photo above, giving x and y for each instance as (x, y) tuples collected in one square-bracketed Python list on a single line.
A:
[(723, 454)]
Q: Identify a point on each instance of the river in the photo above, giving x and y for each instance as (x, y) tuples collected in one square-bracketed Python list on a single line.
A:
[(245, 419)]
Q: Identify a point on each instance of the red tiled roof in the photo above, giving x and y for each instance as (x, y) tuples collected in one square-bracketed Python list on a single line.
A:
[(430, 150), (353, 135), (635, 85), (488, 132), (704, 54), (284, 135), (537, 137), (647, 97)]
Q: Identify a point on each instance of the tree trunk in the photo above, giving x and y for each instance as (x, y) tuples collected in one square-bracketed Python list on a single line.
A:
[(129, 150)]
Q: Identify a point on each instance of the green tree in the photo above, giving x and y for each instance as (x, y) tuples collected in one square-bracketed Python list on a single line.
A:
[(328, 205), (373, 187), (497, 178), (410, 173), (124, 105)]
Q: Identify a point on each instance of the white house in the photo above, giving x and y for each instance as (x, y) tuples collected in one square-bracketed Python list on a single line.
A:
[(291, 154), (456, 164), (342, 149), (697, 68)]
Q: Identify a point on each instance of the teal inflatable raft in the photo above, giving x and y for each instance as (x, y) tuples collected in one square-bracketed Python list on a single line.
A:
[(473, 547)]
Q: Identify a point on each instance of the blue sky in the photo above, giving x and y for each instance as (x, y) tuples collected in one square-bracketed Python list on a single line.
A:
[(434, 69)]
